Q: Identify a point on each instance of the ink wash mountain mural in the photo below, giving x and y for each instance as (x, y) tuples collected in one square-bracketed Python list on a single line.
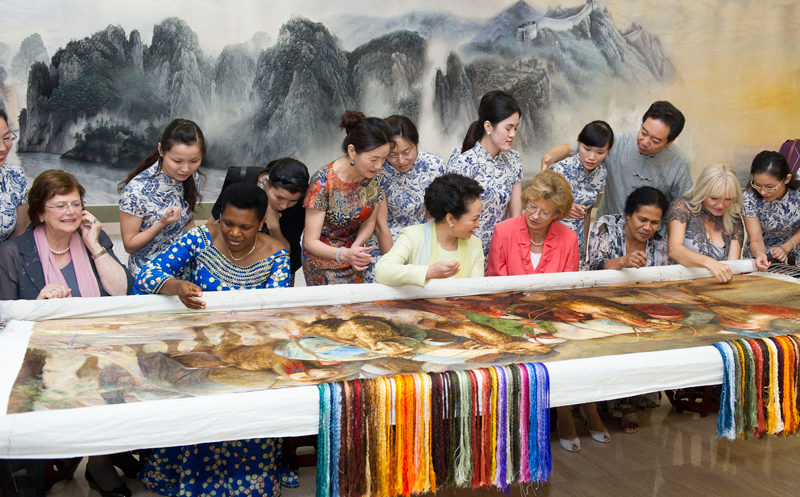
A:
[(104, 98), (103, 94)]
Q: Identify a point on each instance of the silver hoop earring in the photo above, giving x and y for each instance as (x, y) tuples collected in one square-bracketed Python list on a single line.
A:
[(352, 163)]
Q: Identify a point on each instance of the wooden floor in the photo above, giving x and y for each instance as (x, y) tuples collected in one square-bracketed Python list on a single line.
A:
[(673, 455)]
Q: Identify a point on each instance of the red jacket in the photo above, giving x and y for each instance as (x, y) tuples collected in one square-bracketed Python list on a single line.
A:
[(509, 251)]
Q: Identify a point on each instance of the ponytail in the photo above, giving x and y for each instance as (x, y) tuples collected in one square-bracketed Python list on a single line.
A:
[(474, 134)]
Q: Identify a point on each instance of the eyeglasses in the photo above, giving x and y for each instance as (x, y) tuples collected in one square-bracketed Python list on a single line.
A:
[(11, 138), (765, 189), (63, 207), (405, 155), (533, 210)]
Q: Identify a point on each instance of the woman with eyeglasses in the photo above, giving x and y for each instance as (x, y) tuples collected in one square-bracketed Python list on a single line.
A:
[(13, 187), (407, 173), (158, 197), (285, 181), (535, 243), (771, 210), (65, 253), (704, 226)]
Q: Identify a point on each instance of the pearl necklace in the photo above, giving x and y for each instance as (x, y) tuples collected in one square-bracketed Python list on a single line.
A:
[(57, 252), (245, 255), (537, 244)]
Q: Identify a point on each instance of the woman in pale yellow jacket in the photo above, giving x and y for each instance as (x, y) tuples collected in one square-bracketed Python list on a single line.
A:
[(444, 247)]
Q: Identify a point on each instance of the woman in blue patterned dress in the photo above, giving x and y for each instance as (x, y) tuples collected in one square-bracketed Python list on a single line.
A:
[(586, 175), (229, 254), (342, 204), (771, 210), (407, 173), (487, 157), (157, 198), (13, 187)]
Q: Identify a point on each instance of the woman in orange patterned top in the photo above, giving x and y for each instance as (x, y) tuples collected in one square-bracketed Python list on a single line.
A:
[(342, 204)]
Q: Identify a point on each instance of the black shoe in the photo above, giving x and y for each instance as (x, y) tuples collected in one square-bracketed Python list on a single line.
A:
[(129, 465), (120, 491)]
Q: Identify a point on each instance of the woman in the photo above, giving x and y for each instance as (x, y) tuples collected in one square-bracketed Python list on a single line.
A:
[(486, 156), (65, 253), (13, 187), (229, 254), (444, 247), (705, 227), (342, 203), (632, 240), (285, 181), (407, 173), (771, 210), (158, 197), (586, 175), (534, 244)]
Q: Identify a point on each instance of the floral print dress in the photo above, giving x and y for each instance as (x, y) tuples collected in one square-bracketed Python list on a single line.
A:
[(209, 268), (607, 241), (238, 467), (346, 206), (405, 198), (586, 187), (147, 196), (779, 218), (696, 238), (497, 176), (13, 193)]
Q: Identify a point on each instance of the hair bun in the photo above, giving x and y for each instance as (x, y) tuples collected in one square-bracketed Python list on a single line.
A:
[(350, 119)]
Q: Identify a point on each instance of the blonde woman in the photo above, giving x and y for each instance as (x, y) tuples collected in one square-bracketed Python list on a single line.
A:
[(705, 226)]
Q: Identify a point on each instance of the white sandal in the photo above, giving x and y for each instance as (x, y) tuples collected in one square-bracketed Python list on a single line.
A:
[(597, 436)]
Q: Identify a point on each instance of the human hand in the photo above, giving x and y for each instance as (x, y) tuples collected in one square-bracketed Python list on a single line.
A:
[(778, 253), (762, 262), (356, 256), (577, 211), (636, 259), (547, 161), (90, 231), (188, 293), (53, 291), (722, 272), (442, 269), (171, 215)]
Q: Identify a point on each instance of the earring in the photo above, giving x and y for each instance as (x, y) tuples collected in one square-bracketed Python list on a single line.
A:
[(451, 225), (352, 163), (488, 132)]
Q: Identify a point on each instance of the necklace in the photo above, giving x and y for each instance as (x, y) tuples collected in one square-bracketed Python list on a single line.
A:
[(537, 244), (59, 252), (245, 255)]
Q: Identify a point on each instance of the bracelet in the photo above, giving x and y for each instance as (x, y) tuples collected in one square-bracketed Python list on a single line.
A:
[(794, 245), (337, 254), (99, 254)]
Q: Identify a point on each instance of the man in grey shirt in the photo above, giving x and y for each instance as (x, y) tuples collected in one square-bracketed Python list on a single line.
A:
[(646, 158)]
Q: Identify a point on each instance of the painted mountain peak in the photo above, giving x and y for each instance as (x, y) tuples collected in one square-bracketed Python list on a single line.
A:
[(106, 97)]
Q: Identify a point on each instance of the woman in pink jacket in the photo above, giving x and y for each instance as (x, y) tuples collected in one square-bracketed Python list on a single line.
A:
[(534, 243)]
